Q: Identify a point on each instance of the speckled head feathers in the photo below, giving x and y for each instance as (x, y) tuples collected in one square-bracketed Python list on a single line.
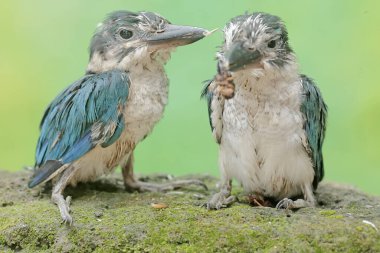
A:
[(110, 31), (126, 38), (257, 37)]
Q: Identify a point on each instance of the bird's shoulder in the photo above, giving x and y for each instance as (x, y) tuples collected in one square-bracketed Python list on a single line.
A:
[(89, 108)]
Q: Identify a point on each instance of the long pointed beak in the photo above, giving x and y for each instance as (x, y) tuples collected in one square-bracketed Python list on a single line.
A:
[(176, 35), (238, 57)]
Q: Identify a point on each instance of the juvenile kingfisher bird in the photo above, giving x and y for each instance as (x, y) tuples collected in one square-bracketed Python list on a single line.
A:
[(95, 124), (268, 119)]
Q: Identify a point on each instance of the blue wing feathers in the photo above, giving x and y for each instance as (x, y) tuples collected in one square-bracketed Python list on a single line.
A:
[(208, 95), (119, 129), (314, 110), (66, 127), (42, 147), (80, 148)]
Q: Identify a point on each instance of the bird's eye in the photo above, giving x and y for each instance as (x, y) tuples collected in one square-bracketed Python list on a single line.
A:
[(125, 34), (272, 44)]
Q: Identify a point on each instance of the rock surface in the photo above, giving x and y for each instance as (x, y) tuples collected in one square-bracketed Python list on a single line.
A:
[(108, 219)]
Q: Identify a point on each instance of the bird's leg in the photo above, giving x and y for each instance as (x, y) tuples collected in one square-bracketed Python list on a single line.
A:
[(308, 201), (132, 184), (223, 198), (57, 197)]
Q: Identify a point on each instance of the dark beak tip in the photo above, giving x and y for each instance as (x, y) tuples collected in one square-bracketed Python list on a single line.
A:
[(197, 33)]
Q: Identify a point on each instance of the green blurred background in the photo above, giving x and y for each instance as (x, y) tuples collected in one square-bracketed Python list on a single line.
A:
[(43, 48)]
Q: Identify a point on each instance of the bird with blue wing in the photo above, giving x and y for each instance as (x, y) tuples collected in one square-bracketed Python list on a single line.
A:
[(95, 124), (268, 119)]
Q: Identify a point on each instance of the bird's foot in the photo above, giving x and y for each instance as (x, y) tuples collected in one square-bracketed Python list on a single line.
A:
[(156, 187), (290, 204), (220, 200), (64, 207), (285, 204)]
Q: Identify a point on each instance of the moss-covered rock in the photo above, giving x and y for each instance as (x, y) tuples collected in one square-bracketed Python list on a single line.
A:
[(108, 219)]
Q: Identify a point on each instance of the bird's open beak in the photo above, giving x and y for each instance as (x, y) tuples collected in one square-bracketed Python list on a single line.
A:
[(176, 35), (238, 57)]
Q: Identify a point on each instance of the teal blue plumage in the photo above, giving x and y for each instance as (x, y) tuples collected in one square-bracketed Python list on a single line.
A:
[(208, 95), (315, 113), (87, 113), (95, 124)]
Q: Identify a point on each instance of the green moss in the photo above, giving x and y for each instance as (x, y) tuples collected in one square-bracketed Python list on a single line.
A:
[(107, 219), (327, 212)]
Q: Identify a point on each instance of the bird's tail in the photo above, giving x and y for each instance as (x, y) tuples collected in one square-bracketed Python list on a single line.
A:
[(45, 172)]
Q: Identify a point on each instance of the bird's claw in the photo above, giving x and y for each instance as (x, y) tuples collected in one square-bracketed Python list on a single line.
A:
[(67, 219), (220, 200), (64, 209), (285, 204)]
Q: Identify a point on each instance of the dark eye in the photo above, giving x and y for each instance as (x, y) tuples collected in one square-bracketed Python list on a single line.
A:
[(272, 44), (125, 34)]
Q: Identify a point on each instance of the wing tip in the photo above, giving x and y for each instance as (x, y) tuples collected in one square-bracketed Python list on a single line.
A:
[(43, 173), (32, 183), (206, 84)]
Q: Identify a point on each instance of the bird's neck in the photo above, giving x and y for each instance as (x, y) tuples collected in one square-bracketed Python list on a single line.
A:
[(266, 79)]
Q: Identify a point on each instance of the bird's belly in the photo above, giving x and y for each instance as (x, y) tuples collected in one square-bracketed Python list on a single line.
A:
[(145, 105), (144, 118), (265, 152), (141, 114), (100, 161)]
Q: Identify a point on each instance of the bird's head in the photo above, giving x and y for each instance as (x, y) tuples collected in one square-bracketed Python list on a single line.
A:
[(257, 41), (126, 38)]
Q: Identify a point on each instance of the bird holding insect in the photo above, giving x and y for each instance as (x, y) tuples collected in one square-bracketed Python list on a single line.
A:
[(268, 119)]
